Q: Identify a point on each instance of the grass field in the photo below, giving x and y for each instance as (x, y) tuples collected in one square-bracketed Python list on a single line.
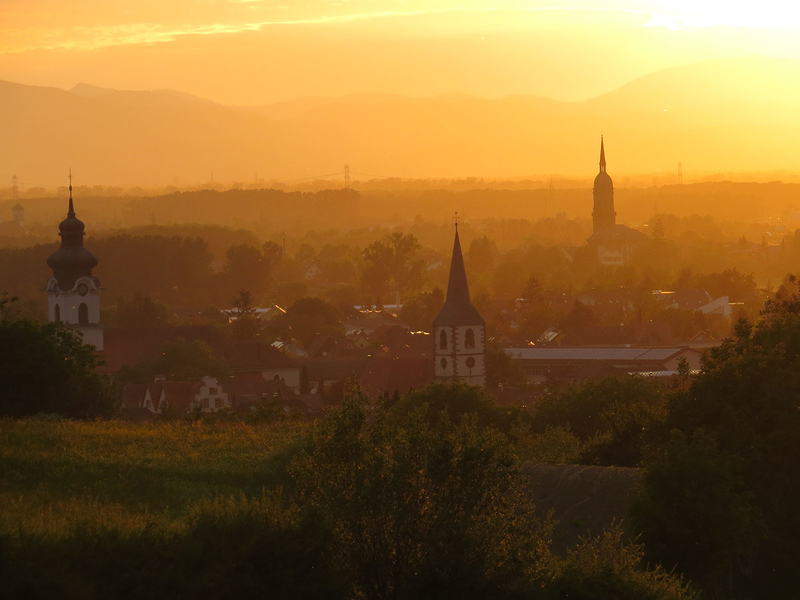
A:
[(56, 476)]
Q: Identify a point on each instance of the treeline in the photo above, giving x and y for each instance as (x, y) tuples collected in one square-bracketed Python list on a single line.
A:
[(189, 268), (265, 210)]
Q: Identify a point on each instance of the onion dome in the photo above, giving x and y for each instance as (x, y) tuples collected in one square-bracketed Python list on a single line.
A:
[(71, 260), (458, 308), (603, 180)]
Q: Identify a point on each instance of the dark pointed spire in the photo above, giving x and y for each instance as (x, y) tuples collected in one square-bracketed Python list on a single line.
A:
[(458, 308), (71, 211), (602, 155), (457, 286)]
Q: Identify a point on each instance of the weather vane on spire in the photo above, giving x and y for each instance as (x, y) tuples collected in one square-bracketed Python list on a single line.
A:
[(456, 220)]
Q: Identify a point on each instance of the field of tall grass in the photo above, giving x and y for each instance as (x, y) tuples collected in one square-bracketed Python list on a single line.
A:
[(56, 476)]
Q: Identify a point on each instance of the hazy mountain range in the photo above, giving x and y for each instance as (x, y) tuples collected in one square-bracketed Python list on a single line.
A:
[(724, 115)]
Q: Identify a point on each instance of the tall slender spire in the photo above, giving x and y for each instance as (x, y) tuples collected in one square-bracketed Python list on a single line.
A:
[(457, 286), (602, 155), (458, 308), (71, 212)]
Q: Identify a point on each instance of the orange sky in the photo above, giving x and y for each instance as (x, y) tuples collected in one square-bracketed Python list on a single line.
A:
[(256, 52)]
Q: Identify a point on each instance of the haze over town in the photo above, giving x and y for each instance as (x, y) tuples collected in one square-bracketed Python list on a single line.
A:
[(388, 299)]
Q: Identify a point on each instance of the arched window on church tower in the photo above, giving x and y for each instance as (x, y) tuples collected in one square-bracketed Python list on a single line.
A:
[(57, 313), (443, 340), (83, 314), (469, 339)]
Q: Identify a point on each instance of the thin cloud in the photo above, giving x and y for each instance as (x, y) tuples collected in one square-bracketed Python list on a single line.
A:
[(82, 38)]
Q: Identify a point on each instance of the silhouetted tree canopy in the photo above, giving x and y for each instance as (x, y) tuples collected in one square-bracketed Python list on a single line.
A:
[(392, 259), (47, 369), (740, 418)]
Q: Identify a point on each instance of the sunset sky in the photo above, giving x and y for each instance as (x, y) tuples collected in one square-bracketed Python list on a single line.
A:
[(251, 52)]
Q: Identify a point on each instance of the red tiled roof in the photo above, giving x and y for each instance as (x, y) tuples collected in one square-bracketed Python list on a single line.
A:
[(178, 394), (246, 390), (124, 346), (133, 394), (333, 369), (254, 355), (128, 346), (385, 375), (657, 330)]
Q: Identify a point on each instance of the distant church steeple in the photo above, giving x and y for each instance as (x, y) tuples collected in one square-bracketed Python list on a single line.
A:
[(603, 216), (459, 331), (73, 291), (602, 156)]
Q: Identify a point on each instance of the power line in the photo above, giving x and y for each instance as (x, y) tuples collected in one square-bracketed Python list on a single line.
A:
[(312, 177), (371, 175), (40, 184)]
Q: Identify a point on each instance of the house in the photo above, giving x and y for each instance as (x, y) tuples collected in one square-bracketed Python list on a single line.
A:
[(312, 271), (609, 303), (387, 375), (720, 306), (290, 347), (370, 320), (124, 346), (359, 339), (247, 391), (327, 371), (685, 299), (175, 397), (653, 333), (701, 340), (407, 344), (257, 356), (210, 397), (260, 313), (323, 345)]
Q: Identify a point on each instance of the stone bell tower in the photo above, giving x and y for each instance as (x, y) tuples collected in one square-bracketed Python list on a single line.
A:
[(73, 292), (459, 331)]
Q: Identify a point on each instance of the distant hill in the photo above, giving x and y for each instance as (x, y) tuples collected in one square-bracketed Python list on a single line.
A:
[(152, 98), (724, 115)]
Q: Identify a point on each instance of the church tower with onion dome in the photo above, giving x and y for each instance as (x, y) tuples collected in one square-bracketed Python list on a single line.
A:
[(604, 217), (613, 243), (459, 331), (73, 292)]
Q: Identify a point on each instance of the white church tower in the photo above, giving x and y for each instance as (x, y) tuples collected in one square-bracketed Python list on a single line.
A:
[(459, 331), (73, 292)]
